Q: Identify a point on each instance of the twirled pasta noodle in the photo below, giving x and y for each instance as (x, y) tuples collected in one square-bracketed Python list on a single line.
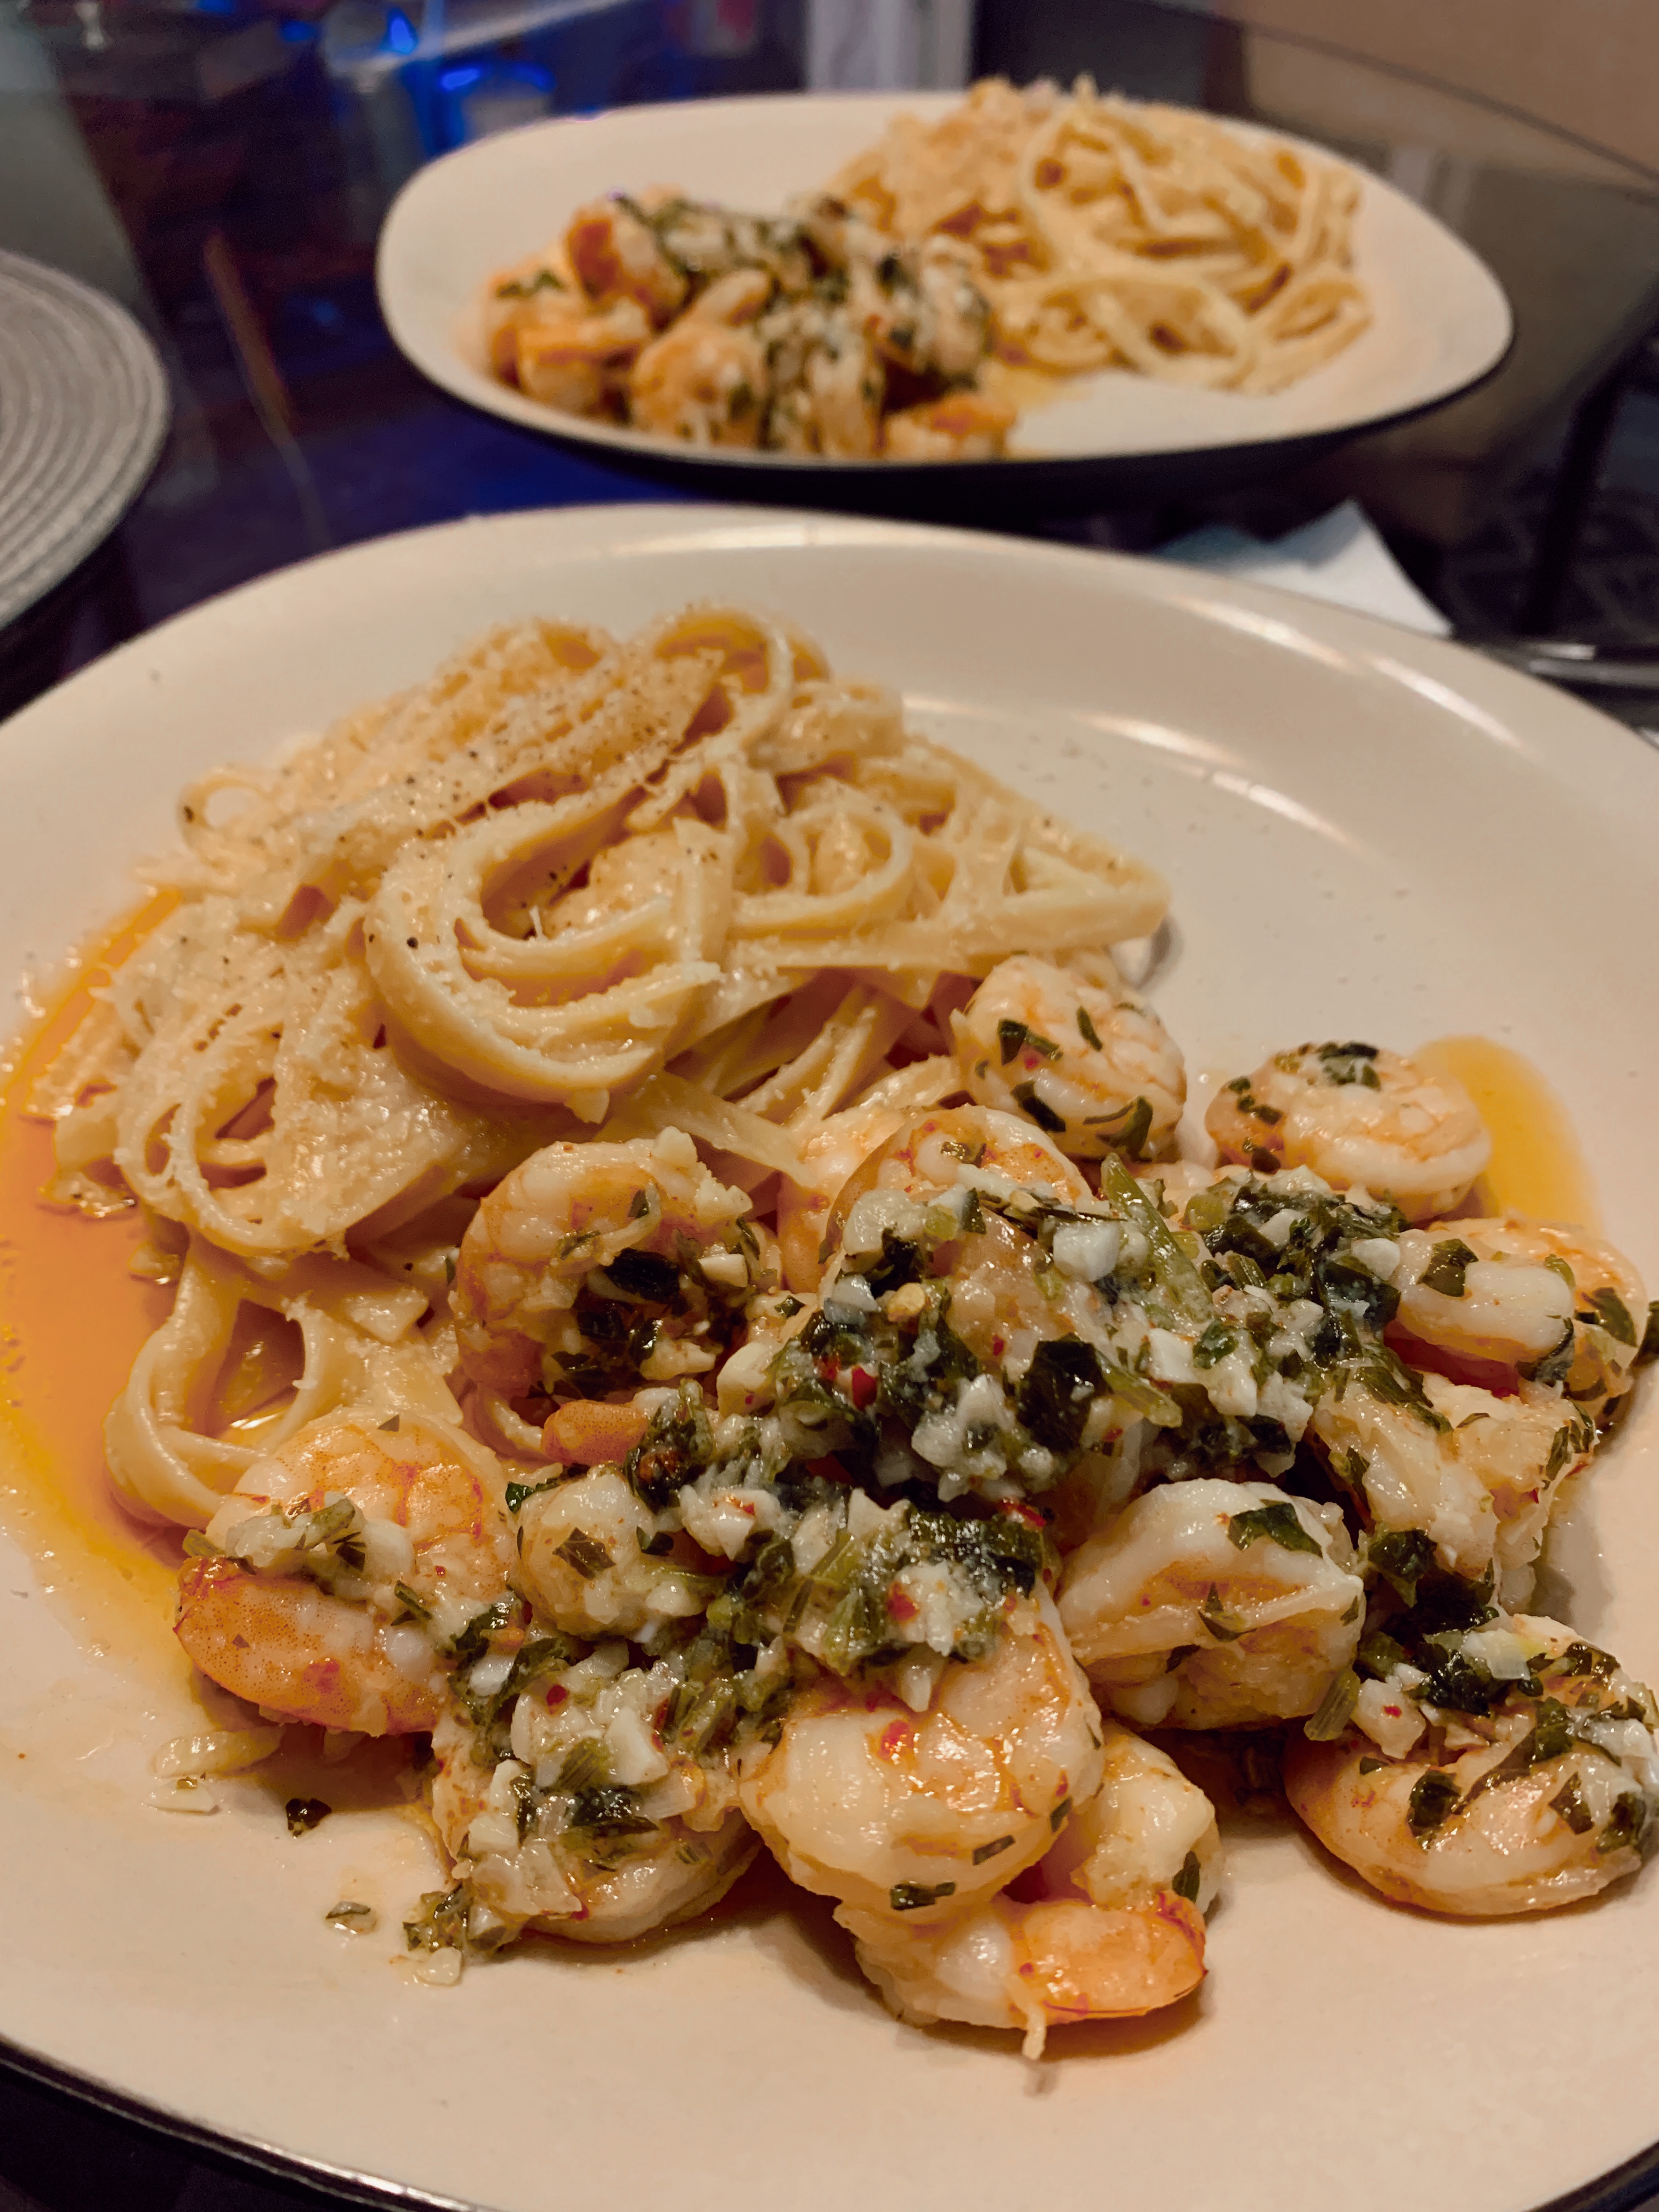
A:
[(1107, 231), (686, 881), (360, 1347)]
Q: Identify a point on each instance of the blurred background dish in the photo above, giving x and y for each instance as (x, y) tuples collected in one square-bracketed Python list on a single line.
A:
[(83, 409), (1439, 318)]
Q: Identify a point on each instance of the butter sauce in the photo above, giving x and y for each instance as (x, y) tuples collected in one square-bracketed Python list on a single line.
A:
[(72, 1319), (1538, 1169)]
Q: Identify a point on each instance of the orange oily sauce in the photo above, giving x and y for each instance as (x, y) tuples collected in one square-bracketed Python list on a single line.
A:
[(72, 1318), (1537, 1169)]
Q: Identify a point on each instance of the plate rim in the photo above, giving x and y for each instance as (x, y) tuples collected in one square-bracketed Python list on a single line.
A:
[(1392, 650), (1621, 2187), (650, 455)]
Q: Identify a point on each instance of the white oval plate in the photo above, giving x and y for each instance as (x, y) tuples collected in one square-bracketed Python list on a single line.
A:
[(1366, 832), (1441, 318)]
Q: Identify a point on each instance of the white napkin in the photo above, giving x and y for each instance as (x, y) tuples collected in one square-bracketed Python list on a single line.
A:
[(1339, 557)]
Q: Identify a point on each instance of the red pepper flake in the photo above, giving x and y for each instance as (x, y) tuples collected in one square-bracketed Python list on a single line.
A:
[(894, 1740), (999, 1346), (557, 1696), (864, 1387), (828, 1370), (1015, 1509), (900, 1606)]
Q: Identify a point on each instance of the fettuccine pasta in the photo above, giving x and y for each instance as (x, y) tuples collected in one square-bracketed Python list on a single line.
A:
[(1109, 232), (687, 880)]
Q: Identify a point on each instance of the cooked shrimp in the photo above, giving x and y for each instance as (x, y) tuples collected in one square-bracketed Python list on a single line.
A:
[(944, 1154), (1096, 1068), (964, 426), (944, 1146), (582, 1545), (576, 360), (737, 297), (923, 309), (703, 382), (574, 1268), (1544, 1799), (1478, 1473), (1207, 1604), (842, 388), (910, 1816), (563, 1809), (1358, 1117), (830, 1154), (347, 1562), (1526, 1298), (1115, 1929), (615, 256)]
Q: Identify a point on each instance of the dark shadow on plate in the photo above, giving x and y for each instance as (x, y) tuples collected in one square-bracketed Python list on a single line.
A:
[(381, 1773), (1151, 958)]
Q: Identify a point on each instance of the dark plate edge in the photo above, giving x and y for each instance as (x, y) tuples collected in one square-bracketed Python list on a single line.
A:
[(986, 490), (238, 2153), (1621, 2189)]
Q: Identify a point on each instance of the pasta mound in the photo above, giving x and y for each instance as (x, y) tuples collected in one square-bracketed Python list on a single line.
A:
[(1110, 233), (688, 879)]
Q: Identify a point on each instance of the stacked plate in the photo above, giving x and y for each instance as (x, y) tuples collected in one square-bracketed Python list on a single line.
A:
[(83, 409)]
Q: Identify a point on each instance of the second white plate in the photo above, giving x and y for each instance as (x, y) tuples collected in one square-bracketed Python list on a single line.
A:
[(1441, 320)]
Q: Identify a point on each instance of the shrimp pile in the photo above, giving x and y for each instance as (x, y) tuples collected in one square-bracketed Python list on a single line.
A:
[(808, 333), (875, 1523)]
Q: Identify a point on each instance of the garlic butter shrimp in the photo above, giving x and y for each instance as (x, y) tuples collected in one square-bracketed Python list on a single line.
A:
[(1358, 1116), (574, 1271), (615, 256), (932, 1149), (831, 1154), (1091, 1065), (1478, 1473), (347, 1562), (910, 1816), (568, 356), (1207, 1604), (964, 426), (1543, 1799), (1532, 1299), (1115, 1930), (584, 1561), (565, 1811), (704, 381), (944, 1155)]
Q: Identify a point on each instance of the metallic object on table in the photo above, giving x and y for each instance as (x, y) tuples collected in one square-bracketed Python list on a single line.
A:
[(1578, 666), (1605, 674)]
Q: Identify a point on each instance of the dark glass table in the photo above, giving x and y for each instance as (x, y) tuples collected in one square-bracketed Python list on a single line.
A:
[(222, 168)]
